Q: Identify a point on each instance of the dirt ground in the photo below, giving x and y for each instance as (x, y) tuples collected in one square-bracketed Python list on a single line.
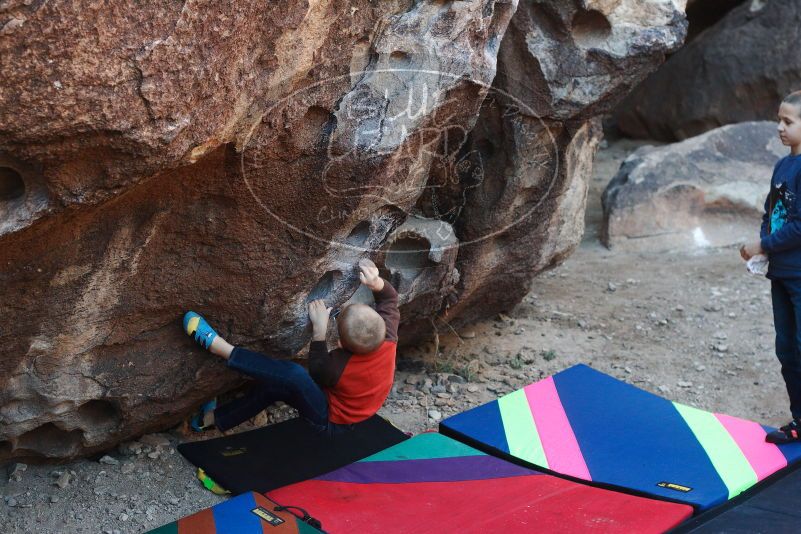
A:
[(689, 325)]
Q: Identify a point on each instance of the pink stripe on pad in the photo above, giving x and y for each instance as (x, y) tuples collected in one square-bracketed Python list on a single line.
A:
[(765, 458), (558, 441)]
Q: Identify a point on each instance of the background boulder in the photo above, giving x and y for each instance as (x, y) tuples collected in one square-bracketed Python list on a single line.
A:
[(737, 70), (708, 190)]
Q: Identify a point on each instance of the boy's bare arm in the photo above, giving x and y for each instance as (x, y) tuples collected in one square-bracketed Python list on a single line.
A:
[(386, 298), (318, 317)]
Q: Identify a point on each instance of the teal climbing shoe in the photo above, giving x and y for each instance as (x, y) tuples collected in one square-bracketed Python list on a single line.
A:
[(197, 327), (196, 423)]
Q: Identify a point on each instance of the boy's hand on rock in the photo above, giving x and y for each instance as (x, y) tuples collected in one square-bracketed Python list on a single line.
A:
[(750, 250), (318, 315), (368, 274)]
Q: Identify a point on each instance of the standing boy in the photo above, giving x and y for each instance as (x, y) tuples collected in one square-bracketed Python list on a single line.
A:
[(780, 239)]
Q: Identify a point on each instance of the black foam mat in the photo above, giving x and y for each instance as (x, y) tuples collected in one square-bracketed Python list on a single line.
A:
[(774, 508), (750, 520), (267, 458)]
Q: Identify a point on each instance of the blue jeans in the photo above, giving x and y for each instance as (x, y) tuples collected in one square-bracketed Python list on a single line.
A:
[(786, 297), (276, 380)]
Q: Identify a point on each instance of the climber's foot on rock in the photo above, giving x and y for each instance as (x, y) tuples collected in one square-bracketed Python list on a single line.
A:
[(204, 418), (205, 336), (197, 327)]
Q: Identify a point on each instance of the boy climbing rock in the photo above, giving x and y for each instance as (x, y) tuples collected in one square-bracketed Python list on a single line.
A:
[(342, 387), (780, 239)]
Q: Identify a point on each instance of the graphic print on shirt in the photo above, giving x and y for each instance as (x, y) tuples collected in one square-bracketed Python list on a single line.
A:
[(779, 214)]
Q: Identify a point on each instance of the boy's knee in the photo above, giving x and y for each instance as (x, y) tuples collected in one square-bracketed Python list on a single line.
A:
[(296, 373)]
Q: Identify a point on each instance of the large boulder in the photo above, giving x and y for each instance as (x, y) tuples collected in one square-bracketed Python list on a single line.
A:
[(239, 158), (738, 70), (236, 158), (705, 191)]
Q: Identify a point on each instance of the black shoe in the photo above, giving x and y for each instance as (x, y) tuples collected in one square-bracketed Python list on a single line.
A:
[(789, 433)]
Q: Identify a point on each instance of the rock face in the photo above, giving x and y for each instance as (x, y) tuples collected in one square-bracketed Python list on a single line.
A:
[(560, 65), (570, 62), (738, 70), (238, 159), (707, 190)]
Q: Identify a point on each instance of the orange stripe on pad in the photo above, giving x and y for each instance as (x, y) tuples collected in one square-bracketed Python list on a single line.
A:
[(291, 525), (199, 523)]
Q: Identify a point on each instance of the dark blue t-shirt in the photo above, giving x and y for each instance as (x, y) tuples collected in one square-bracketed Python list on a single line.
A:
[(781, 222)]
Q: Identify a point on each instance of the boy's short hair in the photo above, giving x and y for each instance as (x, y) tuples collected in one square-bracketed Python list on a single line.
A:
[(361, 329), (793, 98)]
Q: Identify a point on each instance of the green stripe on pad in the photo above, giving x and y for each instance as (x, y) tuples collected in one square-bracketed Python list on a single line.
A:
[(521, 430), (171, 528), (426, 446), (724, 453), (304, 528)]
